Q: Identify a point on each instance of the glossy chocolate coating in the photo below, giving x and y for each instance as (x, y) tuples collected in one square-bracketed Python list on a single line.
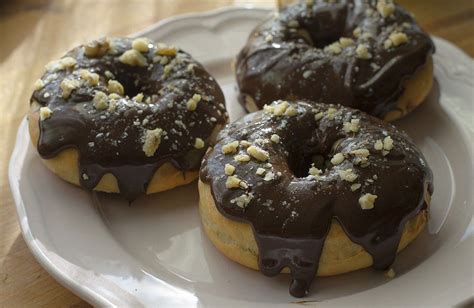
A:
[(111, 140), (286, 56), (291, 211)]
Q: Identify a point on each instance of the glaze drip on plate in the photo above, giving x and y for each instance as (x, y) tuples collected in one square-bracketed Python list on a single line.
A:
[(355, 53), (128, 106), (299, 166)]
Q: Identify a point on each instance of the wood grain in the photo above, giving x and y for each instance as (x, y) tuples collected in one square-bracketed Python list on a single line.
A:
[(32, 32)]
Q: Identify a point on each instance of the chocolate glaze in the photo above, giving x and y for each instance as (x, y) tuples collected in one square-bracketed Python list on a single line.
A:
[(111, 141), (291, 214), (283, 62)]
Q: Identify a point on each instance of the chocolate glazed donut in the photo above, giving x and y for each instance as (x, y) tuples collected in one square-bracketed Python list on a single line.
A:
[(129, 108), (296, 170), (368, 55)]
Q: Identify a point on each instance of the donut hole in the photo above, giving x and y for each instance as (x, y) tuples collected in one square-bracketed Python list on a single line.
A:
[(323, 30), (300, 162), (321, 41), (131, 89), (132, 85)]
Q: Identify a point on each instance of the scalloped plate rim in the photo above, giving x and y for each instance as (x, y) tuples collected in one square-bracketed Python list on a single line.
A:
[(21, 145)]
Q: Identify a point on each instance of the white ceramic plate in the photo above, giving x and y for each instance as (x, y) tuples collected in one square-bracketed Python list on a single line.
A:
[(154, 252)]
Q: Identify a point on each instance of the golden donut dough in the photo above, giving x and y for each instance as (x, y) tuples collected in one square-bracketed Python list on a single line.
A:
[(416, 90), (340, 255), (66, 166)]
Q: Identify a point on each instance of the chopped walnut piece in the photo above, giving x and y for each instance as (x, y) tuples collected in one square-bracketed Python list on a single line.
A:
[(378, 145), (91, 78), (347, 175), (243, 200), (361, 158), (234, 182), (45, 113), (334, 48), (190, 67), (165, 50), (242, 158), (355, 186), (138, 98), (230, 147), (268, 38), (67, 62), (133, 57), (109, 75), (385, 8), (245, 143), (115, 87), (367, 201), (362, 52), (398, 38), (291, 111), (152, 141), (50, 78), (260, 171), (67, 86), (167, 69), (318, 116), (114, 96), (293, 23), (140, 44), (337, 159), (390, 274), (100, 100), (331, 113), (280, 109), (314, 171), (96, 48), (257, 153), (113, 106), (191, 104), (361, 152), (164, 60), (388, 143), (352, 126), (406, 25), (268, 108), (357, 31), (346, 42), (229, 169), (199, 143), (275, 138), (39, 84), (269, 176), (61, 64)]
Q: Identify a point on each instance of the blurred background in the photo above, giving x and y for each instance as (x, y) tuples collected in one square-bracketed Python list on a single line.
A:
[(32, 32)]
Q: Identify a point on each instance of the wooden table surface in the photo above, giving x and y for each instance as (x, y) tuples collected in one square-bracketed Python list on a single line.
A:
[(33, 32)]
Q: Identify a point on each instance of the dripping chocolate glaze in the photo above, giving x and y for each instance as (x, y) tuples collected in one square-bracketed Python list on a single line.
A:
[(285, 61), (291, 214), (111, 141)]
